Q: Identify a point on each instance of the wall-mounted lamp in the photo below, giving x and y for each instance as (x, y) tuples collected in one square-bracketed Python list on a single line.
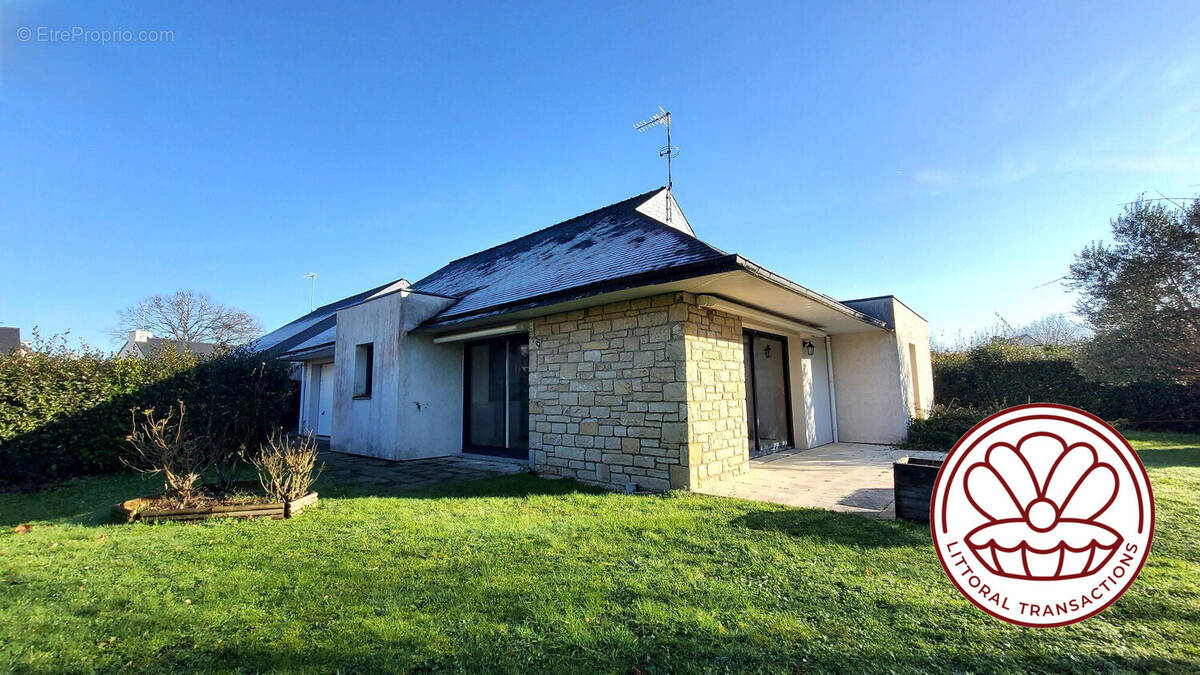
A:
[(809, 348)]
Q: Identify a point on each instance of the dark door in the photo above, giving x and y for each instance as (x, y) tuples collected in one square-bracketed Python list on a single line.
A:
[(768, 395), (496, 400)]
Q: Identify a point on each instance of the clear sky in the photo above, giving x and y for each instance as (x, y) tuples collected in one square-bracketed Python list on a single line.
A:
[(953, 155)]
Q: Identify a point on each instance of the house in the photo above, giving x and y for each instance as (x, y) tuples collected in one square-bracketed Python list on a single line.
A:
[(1022, 340), (10, 339), (142, 344), (616, 348)]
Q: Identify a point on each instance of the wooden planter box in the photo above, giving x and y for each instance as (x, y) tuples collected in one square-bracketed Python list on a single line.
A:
[(913, 480), (132, 510)]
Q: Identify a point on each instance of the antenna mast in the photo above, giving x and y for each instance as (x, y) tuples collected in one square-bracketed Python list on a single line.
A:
[(312, 293), (662, 117)]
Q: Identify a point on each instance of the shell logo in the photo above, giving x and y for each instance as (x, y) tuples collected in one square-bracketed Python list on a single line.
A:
[(1042, 515)]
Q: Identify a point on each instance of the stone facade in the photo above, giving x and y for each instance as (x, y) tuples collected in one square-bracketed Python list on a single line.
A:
[(649, 392), (716, 396)]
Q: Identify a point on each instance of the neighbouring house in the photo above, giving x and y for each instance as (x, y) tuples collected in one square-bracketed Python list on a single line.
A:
[(1022, 340), (616, 348), (10, 339), (142, 344)]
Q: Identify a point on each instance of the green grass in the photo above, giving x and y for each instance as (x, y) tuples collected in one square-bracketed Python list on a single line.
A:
[(518, 573)]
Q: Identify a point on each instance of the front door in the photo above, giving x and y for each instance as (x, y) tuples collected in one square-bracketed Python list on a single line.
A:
[(325, 400), (768, 396), (496, 401)]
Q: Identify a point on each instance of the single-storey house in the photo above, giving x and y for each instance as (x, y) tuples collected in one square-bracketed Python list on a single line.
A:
[(616, 348)]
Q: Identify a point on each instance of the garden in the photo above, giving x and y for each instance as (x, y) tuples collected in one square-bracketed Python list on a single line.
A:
[(521, 573), (208, 429)]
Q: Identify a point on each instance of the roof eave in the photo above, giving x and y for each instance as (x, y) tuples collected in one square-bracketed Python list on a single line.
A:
[(306, 353)]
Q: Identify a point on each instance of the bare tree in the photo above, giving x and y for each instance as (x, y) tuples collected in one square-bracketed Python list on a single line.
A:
[(1058, 330), (1051, 330), (189, 316)]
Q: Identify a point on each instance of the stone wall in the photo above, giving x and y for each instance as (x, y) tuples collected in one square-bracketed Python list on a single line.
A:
[(649, 392), (716, 396)]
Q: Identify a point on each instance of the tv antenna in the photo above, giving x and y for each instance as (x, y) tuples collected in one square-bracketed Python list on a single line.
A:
[(662, 117), (312, 294)]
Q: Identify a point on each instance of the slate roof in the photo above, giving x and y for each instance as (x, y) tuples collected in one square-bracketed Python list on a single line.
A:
[(611, 243), (320, 320), (155, 345), (607, 249)]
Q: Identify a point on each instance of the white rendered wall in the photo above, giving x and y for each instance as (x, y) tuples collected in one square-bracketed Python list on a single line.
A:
[(873, 375), (415, 407), (911, 329), (811, 414), (431, 387)]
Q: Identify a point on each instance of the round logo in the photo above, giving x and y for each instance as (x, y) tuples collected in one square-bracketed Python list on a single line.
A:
[(1042, 515)]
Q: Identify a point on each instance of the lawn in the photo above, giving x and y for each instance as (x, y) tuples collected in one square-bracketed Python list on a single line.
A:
[(518, 573)]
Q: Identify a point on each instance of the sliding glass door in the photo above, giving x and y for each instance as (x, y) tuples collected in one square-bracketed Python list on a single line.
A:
[(768, 396), (496, 400)]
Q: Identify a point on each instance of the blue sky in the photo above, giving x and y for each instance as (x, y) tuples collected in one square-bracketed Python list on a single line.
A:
[(956, 156)]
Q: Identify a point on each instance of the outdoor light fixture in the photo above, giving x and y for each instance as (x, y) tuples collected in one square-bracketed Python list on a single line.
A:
[(809, 347)]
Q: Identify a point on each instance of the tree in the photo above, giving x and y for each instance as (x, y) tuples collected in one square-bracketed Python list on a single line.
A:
[(189, 316), (1055, 330), (1142, 295), (1051, 330)]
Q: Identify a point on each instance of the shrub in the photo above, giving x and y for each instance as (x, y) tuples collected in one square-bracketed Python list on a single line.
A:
[(164, 447), (287, 466), (944, 425), (65, 413)]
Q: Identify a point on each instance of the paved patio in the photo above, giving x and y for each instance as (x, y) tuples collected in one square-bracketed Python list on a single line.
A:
[(847, 477), (414, 474)]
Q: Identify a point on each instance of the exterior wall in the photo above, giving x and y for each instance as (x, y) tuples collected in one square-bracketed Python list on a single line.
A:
[(873, 375), (718, 445), (431, 388), (367, 426), (812, 424), (912, 330), (870, 400), (647, 392), (415, 407)]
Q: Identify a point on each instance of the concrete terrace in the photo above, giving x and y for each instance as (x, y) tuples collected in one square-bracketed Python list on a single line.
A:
[(418, 474), (846, 477)]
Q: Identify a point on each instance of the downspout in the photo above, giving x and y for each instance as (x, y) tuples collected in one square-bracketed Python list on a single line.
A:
[(304, 395), (832, 391)]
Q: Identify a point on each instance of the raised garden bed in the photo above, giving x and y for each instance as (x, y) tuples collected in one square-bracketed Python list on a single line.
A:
[(143, 509), (912, 480)]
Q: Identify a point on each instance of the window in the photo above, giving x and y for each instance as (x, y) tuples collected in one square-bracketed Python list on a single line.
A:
[(364, 365)]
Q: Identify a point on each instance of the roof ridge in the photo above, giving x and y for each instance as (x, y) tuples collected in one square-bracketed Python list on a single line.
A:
[(644, 195)]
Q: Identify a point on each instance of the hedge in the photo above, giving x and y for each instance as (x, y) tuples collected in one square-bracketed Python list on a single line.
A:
[(973, 384), (66, 414), (1003, 374)]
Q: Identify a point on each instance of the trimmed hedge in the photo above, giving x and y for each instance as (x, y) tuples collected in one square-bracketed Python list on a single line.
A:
[(975, 383), (1010, 374), (66, 414)]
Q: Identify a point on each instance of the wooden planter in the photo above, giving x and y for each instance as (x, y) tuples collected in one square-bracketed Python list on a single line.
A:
[(913, 480), (133, 509)]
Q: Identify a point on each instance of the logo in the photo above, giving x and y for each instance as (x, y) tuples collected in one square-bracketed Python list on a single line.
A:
[(1042, 515)]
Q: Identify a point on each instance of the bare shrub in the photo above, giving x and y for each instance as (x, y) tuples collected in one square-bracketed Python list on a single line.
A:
[(287, 465), (164, 447)]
